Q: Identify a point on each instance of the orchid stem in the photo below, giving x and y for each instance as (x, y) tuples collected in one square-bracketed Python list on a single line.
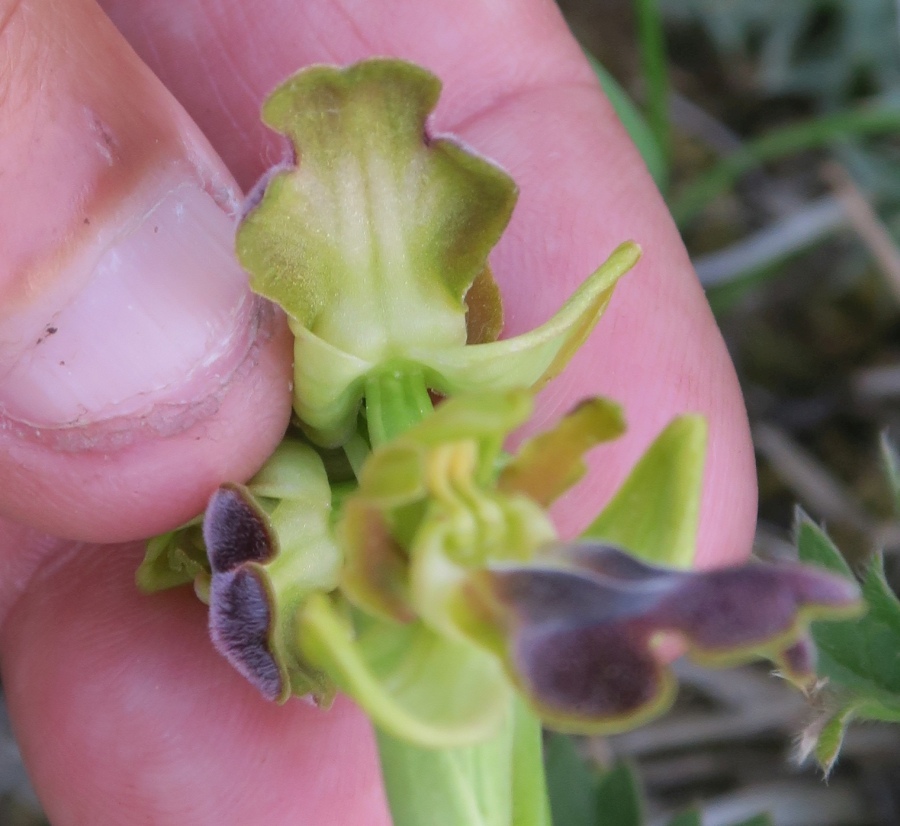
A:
[(498, 782), (396, 399)]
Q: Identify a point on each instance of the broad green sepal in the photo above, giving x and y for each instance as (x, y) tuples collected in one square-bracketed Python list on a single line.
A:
[(656, 512), (415, 684), (376, 242), (372, 241)]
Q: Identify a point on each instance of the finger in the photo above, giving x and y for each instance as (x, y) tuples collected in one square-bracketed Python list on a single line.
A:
[(125, 714), (518, 89), (136, 369)]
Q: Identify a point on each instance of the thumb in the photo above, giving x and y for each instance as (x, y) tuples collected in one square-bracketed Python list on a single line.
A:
[(137, 371)]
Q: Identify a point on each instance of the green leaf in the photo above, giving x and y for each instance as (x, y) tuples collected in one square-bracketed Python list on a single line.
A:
[(656, 511), (463, 786), (689, 818), (572, 785), (619, 798), (638, 129), (890, 461), (857, 655), (415, 684), (815, 546), (531, 806), (831, 737)]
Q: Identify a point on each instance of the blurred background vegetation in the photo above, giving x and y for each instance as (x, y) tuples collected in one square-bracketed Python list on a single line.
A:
[(773, 129)]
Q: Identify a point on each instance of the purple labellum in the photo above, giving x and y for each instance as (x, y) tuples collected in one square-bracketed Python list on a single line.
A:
[(235, 530), (239, 623), (589, 672), (581, 640)]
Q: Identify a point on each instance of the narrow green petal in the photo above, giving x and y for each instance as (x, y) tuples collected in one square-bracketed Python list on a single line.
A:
[(656, 512), (532, 359), (550, 463)]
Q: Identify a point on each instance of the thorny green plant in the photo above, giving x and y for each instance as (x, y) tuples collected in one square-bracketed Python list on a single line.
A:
[(391, 549)]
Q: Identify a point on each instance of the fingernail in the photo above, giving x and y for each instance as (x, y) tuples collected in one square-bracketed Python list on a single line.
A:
[(154, 310)]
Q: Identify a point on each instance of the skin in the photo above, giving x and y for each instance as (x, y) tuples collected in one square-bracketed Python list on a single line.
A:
[(124, 712)]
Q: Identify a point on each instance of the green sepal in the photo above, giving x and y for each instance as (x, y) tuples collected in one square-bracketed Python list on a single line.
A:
[(415, 684), (656, 512), (372, 240), (329, 383)]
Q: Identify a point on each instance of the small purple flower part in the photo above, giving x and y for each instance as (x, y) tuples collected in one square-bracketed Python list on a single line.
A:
[(238, 537), (798, 663), (723, 610), (581, 638), (235, 530), (239, 624)]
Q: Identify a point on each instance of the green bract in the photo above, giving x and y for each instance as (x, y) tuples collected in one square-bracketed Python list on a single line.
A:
[(372, 243)]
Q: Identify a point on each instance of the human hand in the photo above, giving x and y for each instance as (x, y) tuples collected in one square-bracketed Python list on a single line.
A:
[(138, 373)]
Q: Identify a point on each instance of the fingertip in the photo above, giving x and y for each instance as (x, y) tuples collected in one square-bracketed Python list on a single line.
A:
[(125, 714), (137, 370)]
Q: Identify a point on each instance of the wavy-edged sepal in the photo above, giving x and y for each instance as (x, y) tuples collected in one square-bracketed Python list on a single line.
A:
[(656, 511), (550, 463), (373, 239), (328, 387), (533, 358), (580, 636), (415, 684), (173, 559)]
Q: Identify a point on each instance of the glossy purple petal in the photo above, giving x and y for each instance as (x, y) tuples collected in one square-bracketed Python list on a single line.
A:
[(239, 625), (235, 530)]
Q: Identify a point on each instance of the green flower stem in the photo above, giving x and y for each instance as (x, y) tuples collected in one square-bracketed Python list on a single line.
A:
[(468, 786), (395, 400), (499, 782), (531, 804)]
